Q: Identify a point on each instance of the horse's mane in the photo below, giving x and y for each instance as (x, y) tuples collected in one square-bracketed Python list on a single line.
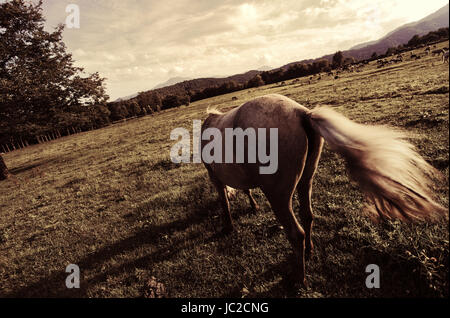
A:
[(213, 110)]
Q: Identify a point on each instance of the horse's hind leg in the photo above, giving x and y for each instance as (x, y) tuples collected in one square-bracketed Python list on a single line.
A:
[(253, 203), (282, 207), (304, 187), (223, 196)]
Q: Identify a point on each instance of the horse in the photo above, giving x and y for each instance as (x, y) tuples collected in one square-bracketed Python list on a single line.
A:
[(393, 176), (445, 57), (438, 52)]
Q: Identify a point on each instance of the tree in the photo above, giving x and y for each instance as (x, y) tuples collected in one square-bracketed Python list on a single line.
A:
[(391, 51), (255, 81), (338, 59), (38, 80), (348, 60), (4, 173), (171, 101), (415, 40), (134, 109), (321, 65), (118, 110), (374, 56)]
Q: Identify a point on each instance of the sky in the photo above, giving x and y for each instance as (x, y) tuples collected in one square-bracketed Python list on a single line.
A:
[(137, 44)]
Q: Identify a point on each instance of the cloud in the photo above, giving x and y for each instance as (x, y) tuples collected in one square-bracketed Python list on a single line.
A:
[(137, 44)]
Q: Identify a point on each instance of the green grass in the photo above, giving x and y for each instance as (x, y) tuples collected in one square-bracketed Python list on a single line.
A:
[(111, 202)]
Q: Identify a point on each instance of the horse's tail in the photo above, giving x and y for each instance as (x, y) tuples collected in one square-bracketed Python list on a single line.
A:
[(395, 179)]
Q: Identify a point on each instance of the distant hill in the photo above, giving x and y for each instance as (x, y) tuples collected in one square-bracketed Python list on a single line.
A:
[(202, 83), (183, 86), (172, 81), (126, 97), (264, 68), (403, 34)]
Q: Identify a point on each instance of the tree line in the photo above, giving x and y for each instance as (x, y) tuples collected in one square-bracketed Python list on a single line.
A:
[(429, 38)]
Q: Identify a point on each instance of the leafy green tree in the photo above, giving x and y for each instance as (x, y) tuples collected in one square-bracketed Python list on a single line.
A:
[(171, 101), (38, 80), (391, 51), (338, 59), (414, 41), (255, 81), (321, 65), (349, 60), (134, 109)]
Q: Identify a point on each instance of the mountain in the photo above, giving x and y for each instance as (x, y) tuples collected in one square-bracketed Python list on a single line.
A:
[(201, 83), (181, 84), (361, 45), (402, 34), (172, 81), (264, 68), (126, 97)]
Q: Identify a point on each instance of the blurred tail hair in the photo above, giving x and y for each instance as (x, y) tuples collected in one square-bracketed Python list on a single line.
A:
[(395, 179)]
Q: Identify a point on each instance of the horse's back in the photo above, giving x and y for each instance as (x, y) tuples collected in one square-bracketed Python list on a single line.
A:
[(268, 111)]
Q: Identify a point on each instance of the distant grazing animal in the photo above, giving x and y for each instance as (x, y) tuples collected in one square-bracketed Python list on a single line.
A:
[(398, 59), (382, 63), (445, 57), (393, 177), (438, 52)]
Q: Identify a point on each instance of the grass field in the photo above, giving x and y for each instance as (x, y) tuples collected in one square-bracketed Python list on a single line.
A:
[(112, 202)]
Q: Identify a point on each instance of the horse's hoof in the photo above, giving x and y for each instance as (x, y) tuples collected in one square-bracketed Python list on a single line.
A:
[(304, 284)]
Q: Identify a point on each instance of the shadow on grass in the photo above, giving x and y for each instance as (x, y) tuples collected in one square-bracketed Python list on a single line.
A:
[(32, 166), (53, 285)]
